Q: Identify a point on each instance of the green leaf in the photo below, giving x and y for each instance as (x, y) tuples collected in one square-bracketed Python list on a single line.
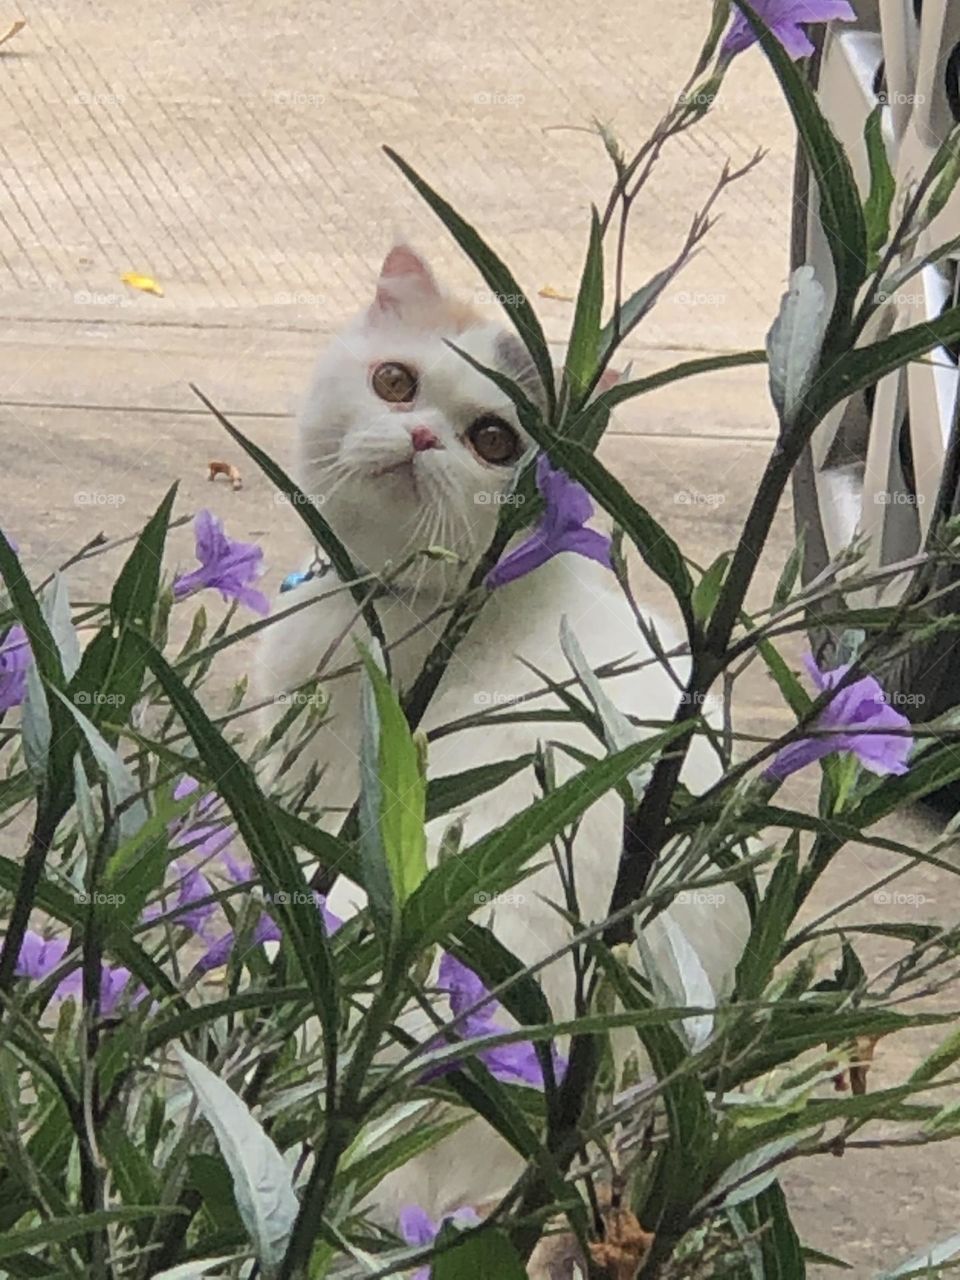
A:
[(929, 771), (497, 276), (55, 604), (46, 654), (618, 731), (679, 1174), (781, 1253), (452, 790), (791, 572), (49, 667), (793, 691), (309, 513), (193, 1270), (737, 1176), (483, 1253), (945, 1055), (131, 1170), (36, 730), (262, 1183), (64, 907), (774, 916), (110, 677), (659, 551), (57, 1230), (676, 373), (584, 349), (921, 1263), (633, 311), (366, 1173), (947, 161), (138, 583), (495, 862), (864, 366), (396, 789), (883, 186), (707, 591), (794, 343), (824, 1259), (296, 912), (121, 785), (840, 212)]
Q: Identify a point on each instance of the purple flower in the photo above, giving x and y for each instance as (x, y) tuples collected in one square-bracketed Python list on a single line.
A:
[(265, 930), (113, 986), (786, 19), (517, 1063), (857, 708), (39, 957), (194, 888), (15, 660), (561, 528), (419, 1230), (200, 831), (227, 566)]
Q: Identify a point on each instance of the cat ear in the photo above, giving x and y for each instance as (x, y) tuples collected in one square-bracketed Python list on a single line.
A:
[(405, 280)]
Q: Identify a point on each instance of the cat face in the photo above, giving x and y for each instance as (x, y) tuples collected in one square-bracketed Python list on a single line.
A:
[(402, 443)]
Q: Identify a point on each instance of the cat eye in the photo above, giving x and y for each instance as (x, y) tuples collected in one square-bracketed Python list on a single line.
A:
[(495, 440), (395, 383)]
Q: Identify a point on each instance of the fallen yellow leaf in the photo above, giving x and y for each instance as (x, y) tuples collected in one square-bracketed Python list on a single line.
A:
[(146, 284), (16, 26), (548, 291)]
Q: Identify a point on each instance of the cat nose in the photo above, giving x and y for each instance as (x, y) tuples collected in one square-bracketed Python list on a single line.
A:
[(422, 438)]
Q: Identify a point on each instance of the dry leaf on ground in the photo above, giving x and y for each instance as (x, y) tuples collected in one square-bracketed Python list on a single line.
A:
[(146, 284), (13, 29)]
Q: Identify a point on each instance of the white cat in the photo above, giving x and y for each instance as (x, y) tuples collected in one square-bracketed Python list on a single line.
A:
[(405, 445)]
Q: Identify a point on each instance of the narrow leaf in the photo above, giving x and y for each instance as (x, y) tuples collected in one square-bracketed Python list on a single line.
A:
[(883, 187), (584, 348), (794, 342), (498, 277), (262, 1183)]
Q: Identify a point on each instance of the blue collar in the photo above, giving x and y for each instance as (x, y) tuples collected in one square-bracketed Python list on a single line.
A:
[(318, 567)]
